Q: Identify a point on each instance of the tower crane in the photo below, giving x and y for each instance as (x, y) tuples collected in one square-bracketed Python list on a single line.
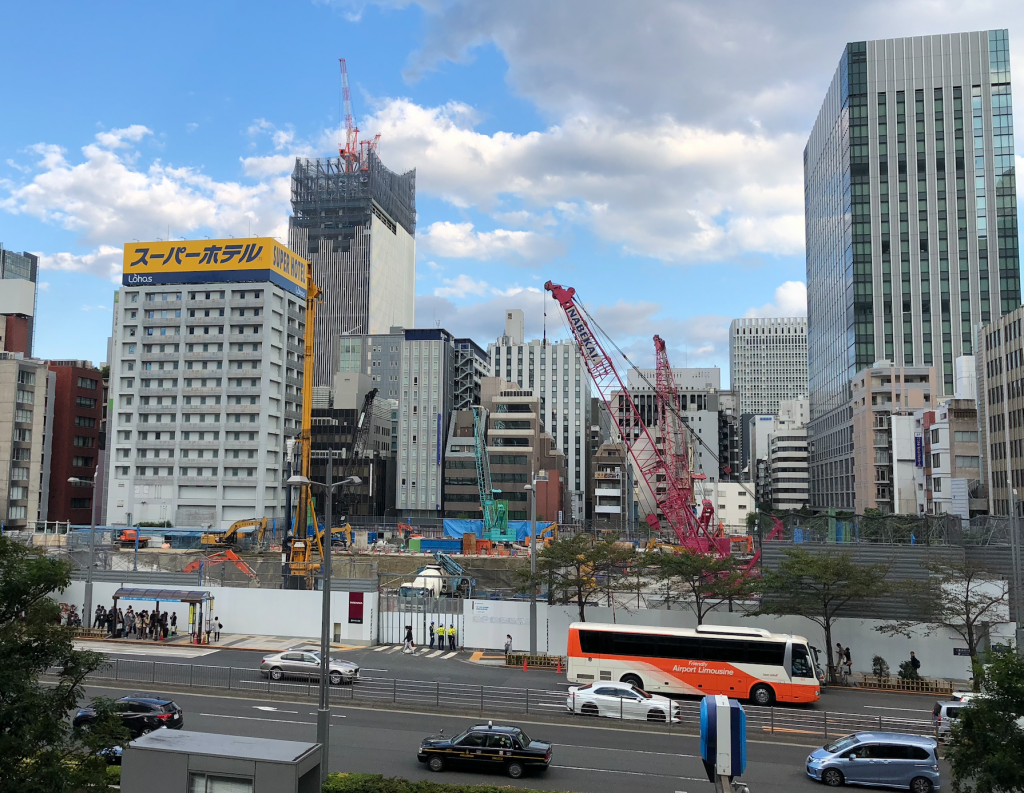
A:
[(350, 152), (671, 495)]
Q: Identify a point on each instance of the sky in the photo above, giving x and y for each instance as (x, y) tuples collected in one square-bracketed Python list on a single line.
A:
[(647, 154)]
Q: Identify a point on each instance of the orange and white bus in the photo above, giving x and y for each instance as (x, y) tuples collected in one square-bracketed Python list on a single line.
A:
[(743, 663)]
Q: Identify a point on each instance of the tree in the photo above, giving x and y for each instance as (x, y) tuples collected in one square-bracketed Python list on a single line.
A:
[(39, 751), (702, 581), (987, 741), (819, 587), (959, 596), (571, 566)]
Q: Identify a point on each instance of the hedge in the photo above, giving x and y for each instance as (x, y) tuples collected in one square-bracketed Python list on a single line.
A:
[(376, 783)]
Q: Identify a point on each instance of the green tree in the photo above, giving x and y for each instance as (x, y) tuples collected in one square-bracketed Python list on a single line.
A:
[(702, 581), (819, 586), (987, 742), (571, 567), (39, 750), (961, 597)]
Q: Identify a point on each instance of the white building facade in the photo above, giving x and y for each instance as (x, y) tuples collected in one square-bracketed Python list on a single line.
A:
[(767, 362)]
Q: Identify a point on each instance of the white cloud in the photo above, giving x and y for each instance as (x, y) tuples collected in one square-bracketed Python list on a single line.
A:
[(43, 286), (96, 308), (104, 262), (790, 301), (460, 286), (461, 241)]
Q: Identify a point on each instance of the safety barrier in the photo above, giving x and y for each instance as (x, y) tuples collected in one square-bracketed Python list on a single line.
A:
[(462, 698), (919, 686), (535, 661)]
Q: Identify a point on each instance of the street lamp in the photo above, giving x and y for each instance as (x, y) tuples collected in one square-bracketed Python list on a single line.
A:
[(532, 490), (74, 480), (323, 713)]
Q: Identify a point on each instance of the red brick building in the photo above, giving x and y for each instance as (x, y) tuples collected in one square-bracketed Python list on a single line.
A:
[(77, 440)]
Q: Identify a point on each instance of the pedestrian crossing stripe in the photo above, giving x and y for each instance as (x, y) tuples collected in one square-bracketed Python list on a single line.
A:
[(435, 653), (446, 657), (381, 648), (394, 649)]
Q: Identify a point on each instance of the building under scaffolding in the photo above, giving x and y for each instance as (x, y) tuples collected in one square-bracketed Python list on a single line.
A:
[(356, 221)]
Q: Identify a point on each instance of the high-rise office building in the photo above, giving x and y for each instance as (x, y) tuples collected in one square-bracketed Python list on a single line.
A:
[(205, 381), (767, 362), (553, 371), (356, 222), (17, 300), (910, 157)]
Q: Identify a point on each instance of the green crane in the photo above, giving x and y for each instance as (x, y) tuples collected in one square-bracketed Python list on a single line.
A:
[(495, 513)]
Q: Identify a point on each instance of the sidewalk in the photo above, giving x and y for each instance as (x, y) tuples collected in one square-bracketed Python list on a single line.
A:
[(231, 641)]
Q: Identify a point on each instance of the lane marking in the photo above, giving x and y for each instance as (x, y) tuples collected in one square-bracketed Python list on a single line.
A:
[(254, 718), (335, 715), (435, 653), (476, 656), (268, 708), (630, 751), (901, 710), (394, 649), (379, 649), (629, 773), (368, 669), (446, 657)]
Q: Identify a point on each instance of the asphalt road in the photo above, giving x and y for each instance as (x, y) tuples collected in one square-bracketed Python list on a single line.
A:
[(460, 669), (587, 759)]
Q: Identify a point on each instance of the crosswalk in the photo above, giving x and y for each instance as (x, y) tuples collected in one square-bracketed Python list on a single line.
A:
[(422, 652)]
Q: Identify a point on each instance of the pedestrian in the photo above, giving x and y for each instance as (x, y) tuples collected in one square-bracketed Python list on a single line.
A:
[(120, 624), (839, 654), (451, 637), (430, 631), (140, 623), (915, 662), (848, 660), (147, 623), (164, 625), (97, 617), (407, 647), (174, 623), (508, 646), (129, 622), (216, 629)]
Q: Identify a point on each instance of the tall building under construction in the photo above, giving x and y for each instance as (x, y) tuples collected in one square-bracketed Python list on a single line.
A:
[(355, 220)]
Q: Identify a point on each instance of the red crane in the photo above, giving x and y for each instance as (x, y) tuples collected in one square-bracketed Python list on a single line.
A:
[(350, 152), (669, 492)]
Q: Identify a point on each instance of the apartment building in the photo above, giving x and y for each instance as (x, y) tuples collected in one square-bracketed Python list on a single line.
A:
[(205, 381), (787, 468), (949, 466), (26, 415), (78, 440), (610, 488)]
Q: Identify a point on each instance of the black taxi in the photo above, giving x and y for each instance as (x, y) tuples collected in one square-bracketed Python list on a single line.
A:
[(487, 746)]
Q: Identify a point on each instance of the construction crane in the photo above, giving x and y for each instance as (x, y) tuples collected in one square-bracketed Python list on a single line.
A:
[(350, 151), (231, 537), (495, 513), (669, 493)]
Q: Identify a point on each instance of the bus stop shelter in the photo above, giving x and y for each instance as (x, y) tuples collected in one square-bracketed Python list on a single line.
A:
[(200, 605)]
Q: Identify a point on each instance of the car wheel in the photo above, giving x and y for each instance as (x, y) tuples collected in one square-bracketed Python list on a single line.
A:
[(276, 673), (832, 777), (921, 785), (514, 769), (655, 715), (335, 678), (762, 695), (435, 763), (589, 709), (632, 680)]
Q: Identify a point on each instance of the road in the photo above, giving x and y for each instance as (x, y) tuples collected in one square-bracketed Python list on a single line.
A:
[(459, 669), (587, 759)]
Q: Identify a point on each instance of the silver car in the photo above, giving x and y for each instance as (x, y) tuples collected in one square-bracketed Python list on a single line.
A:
[(306, 665), (878, 759)]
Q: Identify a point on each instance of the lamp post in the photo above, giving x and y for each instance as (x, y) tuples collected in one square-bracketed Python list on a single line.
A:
[(1016, 578), (74, 480), (323, 713), (532, 490)]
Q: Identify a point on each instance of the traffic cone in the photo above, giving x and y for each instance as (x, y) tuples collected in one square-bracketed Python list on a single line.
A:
[(559, 669), (524, 663)]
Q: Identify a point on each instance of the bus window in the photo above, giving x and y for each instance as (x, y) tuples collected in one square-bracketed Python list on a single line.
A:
[(801, 662)]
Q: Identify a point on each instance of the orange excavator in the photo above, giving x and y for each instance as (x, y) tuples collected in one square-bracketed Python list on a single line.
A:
[(226, 556)]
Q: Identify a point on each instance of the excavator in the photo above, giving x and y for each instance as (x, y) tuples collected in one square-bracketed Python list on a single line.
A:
[(231, 537), (227, 556)]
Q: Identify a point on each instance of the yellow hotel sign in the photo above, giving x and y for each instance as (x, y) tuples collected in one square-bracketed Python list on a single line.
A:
[(214, 261)]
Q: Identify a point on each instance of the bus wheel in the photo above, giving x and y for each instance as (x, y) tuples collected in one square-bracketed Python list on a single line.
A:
[(762, 695), (632, 680)]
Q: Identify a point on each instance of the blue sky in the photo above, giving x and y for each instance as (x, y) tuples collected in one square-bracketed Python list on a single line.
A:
[(648, 155)]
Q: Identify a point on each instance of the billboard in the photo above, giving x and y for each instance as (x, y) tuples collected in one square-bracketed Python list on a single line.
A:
[(214, 261)]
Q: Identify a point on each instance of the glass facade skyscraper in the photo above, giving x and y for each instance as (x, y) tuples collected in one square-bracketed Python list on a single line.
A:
[(911, 223)]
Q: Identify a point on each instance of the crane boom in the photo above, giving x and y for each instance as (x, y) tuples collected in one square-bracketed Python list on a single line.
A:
[(669, 492), (349, 154)]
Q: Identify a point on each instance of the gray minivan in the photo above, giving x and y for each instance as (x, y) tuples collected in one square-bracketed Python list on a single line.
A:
[(878, 759)]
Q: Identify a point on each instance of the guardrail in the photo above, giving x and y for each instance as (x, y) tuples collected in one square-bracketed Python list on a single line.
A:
[(462, 698)]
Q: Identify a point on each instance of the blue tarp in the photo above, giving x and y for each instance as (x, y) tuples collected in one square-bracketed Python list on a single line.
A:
[(456, 527)]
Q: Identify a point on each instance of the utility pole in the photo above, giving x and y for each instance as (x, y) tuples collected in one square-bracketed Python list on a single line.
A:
[(533, 566), (323, 712)]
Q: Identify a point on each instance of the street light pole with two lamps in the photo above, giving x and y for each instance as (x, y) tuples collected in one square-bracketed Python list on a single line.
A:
[(323, 713)]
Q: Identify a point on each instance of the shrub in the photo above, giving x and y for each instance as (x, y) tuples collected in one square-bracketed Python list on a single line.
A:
[(376, 783), (879, 666), (907, 672)]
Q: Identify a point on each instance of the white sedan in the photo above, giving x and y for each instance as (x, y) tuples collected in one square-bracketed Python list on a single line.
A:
[(620, 701)]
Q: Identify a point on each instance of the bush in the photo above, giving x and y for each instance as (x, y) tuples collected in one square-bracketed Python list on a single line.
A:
[(114, 774), (376, 783), (879, 666), (907, 672)]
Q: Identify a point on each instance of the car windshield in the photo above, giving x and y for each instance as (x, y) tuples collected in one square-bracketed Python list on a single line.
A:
[(842, 744), (524, 739), (459, 737), (641, 692)]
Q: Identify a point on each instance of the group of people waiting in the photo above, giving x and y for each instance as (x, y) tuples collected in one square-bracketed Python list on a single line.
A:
[(436, 633), (143, 624)]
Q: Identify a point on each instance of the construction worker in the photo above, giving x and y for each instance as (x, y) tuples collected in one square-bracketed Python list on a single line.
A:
[(451, 637), (431, 632)]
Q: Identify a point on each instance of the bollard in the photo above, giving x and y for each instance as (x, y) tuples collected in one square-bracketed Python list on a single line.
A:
[(524, 663), (559, 669)]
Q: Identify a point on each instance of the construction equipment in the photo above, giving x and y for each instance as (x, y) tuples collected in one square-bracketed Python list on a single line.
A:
[(495, 513), (226, 556), (672, 498), (231, 537), (129, 537), (549, 534)]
